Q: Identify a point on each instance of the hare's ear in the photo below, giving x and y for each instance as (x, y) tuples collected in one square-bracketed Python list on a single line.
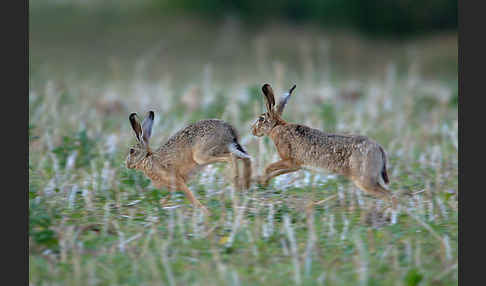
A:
[(283, 100), (147, 127), (136, 126), (270, 99)]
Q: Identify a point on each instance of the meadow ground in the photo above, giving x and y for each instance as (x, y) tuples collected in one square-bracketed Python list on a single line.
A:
[(94, 222)]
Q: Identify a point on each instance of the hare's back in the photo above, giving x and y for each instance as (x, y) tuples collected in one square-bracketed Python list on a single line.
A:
[(206, 130), (327, 150), (314, 137), (216, 132)]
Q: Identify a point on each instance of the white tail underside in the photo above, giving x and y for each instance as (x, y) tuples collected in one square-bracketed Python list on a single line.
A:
[(232, 148)]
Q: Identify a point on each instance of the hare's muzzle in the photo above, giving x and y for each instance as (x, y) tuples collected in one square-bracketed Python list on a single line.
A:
[(128, 165), (254, 132), (253, 128)]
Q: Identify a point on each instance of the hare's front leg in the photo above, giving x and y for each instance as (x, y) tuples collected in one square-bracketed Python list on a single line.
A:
[(278, 168), (181, 185), (163, 184), (166, 199)]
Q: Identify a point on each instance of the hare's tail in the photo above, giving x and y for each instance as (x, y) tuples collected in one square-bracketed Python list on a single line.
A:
[(236, 149), (384, 174)]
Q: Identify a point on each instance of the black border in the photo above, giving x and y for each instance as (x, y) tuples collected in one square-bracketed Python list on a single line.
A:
[(471, 49), (23, 34), (15, 115), (460, 65), (26, 74)]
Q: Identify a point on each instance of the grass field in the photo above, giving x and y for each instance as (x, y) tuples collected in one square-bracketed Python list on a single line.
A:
[(94, 222)]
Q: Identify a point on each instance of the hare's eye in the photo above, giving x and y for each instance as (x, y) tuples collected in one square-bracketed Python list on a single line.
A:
[(261, 118), (132, 150)]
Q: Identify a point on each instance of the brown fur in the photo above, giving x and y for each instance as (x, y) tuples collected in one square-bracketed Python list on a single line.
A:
[(356, 157), (199, 144)]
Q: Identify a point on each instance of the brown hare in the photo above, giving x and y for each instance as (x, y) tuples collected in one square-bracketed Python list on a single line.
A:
[(356, 157), (198, 144)]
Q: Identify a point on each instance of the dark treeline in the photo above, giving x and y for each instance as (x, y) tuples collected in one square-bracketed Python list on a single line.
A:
[(379, 17)]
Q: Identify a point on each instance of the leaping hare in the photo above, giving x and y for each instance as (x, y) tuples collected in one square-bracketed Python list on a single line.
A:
[(201, 143), (356, 157)]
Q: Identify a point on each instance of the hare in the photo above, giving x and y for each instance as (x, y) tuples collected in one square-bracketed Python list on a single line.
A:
[(356, 157), (198, 144)]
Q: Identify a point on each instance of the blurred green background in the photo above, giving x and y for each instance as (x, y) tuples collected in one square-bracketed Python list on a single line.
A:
[(376, 17), (351, 38)]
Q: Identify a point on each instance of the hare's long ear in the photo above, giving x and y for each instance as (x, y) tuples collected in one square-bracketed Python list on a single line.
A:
[(136, 126), (147, 127), (283, 101), (270, 99)]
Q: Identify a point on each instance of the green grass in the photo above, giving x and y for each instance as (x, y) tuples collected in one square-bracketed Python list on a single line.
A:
[(83, 230)]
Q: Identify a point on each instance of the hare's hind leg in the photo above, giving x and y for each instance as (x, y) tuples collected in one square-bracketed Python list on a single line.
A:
[(374, 188), (238, 182), (238, 153), (236, 172), (245, 181), (203, 158), (246, 172)]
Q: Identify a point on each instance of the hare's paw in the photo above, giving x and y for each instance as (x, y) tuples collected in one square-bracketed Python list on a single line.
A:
[(205, 210), (394, 202), (261, 182)]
